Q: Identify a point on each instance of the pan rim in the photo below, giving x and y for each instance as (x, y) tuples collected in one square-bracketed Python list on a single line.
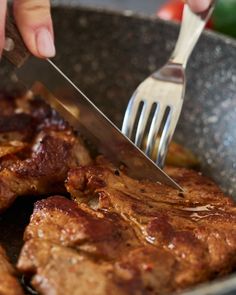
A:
[(226, 284), (141, 16)]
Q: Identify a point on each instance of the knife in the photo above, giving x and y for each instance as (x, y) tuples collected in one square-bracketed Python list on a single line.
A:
[(45, 78)]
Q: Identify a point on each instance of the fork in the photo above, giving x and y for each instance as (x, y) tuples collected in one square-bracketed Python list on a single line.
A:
[(154, 108)]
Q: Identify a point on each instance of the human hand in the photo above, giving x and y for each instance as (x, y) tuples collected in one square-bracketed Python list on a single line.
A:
[(199, 5), (34, 22)]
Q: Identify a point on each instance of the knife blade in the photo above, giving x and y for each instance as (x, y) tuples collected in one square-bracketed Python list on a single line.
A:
[(45, 78)]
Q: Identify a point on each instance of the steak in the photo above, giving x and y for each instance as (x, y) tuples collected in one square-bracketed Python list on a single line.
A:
[(9, 284), (37, 148), (123, 236)]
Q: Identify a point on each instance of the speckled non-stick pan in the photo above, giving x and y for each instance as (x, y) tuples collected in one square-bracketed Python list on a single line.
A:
[(107, 55)]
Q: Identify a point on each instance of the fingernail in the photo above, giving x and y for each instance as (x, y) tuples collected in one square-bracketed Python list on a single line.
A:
[(199, 6), (45, 43), (204, 4)]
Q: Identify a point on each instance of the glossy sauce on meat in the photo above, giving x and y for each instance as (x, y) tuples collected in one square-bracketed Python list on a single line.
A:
[(123, 236)]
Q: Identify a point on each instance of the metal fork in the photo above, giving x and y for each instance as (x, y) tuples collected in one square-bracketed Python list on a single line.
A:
[(162, 93)]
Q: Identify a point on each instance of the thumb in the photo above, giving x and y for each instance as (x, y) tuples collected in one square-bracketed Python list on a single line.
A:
[(34, 21)]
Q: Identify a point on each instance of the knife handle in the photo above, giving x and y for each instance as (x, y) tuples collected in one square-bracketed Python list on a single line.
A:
[(14, 50)]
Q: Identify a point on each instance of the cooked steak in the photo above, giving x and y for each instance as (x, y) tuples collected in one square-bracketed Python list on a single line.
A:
[(123, 236), (37, 148), (87, 250), (9, 284)]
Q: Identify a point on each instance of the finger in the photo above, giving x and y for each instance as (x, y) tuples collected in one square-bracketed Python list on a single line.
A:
[(199, 6), (3, 9), (34, 21)]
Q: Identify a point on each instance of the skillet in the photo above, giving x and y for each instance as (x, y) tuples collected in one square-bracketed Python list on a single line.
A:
[(107, 55)]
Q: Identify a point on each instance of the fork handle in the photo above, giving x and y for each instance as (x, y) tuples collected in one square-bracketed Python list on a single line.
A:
[(190, 31)]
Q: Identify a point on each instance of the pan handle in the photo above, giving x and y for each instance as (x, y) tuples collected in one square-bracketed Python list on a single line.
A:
[(191, 28), (14, 50)]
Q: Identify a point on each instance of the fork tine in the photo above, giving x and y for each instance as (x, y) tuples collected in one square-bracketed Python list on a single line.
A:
[(154, 129), (130, 115), (145, 113), (166, 137)]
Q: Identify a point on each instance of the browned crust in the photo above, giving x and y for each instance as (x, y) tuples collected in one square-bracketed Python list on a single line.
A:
[(37, 148), (138, 237), (9, 284)]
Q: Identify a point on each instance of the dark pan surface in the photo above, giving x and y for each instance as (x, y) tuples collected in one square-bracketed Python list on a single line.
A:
[(107, 55), (12, 224)]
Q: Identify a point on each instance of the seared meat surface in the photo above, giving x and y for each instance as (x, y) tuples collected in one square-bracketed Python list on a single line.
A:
[(123, 236), (37, 148), (9, 284), (118, 236)]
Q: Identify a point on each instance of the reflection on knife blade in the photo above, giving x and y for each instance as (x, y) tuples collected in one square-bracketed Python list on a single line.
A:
[(91, 123), (86, 118)]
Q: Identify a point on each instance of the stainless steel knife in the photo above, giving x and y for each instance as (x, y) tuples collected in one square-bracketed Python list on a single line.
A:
[(45, 78)]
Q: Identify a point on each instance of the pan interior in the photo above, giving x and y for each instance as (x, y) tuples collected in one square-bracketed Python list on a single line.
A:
[(107, 55)]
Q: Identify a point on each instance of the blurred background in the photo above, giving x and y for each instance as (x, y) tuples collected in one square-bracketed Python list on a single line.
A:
[(143, 6), (223, 19)]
